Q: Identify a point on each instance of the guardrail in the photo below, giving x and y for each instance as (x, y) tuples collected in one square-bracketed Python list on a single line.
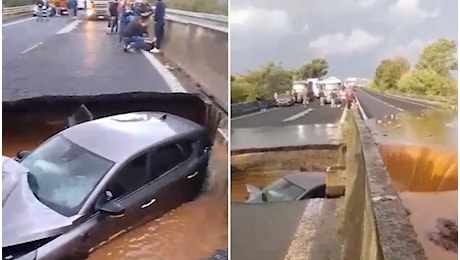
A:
[(200, 48), (8, 11), (243, 108)]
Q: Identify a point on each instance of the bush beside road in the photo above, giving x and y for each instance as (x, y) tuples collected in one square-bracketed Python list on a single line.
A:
[(431, 79)]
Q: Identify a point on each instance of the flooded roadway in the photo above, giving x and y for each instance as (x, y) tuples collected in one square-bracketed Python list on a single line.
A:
[(420, 153), (191, 232)]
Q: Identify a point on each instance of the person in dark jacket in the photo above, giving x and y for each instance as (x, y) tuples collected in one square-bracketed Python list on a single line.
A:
[(133, 35), (160, 12), (113, 21)]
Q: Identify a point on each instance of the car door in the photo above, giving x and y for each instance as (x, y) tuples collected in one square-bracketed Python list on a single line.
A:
[(131, 187), (195, 171), (165, 164)]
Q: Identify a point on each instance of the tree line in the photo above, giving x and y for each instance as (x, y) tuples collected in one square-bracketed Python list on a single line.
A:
[(272, 77), (432, 74)]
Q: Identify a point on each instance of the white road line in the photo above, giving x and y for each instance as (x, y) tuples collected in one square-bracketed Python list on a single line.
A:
[(255, 113), (70, 27), (303, 238), (32, 47), (168, 77), (407, 101), (343, 116), (298, 115), (17, 22), (383, 102), (361, 110)]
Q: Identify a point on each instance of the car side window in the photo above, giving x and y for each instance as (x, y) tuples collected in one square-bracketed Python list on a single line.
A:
[(127, 179), (168, 157)]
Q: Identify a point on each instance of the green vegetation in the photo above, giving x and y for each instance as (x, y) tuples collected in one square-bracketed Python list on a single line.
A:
[(431, 76), (271, 78), (202, 6), (11, 3)]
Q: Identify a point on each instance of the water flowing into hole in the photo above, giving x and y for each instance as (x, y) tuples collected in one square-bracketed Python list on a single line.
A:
[(427, 180)]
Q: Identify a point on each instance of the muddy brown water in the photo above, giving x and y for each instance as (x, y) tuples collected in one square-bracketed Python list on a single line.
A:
[(427, 180), (420, 152), (193, 231)]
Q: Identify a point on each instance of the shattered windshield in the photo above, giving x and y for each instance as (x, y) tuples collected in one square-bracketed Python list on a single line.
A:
[(62, 174)]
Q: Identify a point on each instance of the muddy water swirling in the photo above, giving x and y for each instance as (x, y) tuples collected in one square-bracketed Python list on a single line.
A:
[(420, 154)]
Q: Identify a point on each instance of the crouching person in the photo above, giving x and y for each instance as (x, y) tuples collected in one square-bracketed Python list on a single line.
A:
[(134, 36)]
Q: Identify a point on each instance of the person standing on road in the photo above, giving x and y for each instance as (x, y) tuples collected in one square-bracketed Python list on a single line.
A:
[(160, 12), (71, 5), (58, 7), (113, 21)]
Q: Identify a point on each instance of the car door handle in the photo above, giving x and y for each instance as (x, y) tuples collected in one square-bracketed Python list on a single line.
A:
[(148, 203), (192, 175)]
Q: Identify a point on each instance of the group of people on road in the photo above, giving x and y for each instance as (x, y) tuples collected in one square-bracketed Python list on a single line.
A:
[(131, 22), (45, 7)]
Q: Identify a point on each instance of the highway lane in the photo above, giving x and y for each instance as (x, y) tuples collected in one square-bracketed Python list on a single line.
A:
[(80, 59), (377, 105), (294, 115), (20, 36)]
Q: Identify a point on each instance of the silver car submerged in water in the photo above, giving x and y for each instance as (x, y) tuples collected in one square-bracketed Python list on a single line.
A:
[(98, 179), (291, 187)]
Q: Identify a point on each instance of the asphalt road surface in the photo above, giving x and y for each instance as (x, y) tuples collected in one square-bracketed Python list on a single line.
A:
[(294, 115), (377, 105), (65, 57)]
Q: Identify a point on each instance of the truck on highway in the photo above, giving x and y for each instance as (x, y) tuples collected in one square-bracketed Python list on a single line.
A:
[(97, 9), (309, 87), (330, 85)]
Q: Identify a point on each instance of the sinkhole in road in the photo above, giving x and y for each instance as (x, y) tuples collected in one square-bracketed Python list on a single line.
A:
[(426, 179), (179, 234), (261, 169)]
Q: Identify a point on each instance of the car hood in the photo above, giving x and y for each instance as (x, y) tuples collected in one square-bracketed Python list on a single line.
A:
[(25, 218), (255, 194)]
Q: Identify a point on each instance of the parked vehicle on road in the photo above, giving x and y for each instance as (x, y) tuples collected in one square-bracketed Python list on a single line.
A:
[(284, 100), (301, 90), (292, 187), (98, 179), (97, 9), (81, 4), (330, 85)]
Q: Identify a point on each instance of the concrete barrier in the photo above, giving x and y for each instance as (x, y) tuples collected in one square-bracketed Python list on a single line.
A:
[(201, 51), (376, 224)]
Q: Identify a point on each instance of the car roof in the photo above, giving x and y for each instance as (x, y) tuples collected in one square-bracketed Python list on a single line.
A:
[(307, 180), (118, 137)]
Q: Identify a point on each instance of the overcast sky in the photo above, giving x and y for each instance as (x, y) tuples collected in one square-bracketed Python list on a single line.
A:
[(353, 35)]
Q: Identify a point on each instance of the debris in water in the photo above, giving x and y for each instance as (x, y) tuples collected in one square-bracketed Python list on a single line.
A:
[(446, 235), (219, 255)]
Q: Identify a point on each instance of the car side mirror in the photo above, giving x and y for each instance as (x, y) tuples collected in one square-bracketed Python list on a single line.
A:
[(113, 209), (22, 154), (264, 197)]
